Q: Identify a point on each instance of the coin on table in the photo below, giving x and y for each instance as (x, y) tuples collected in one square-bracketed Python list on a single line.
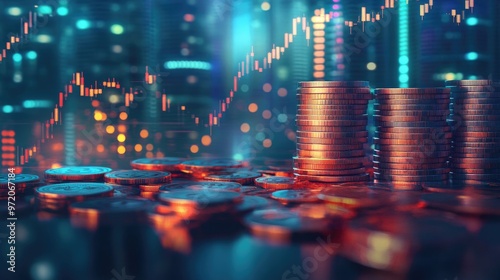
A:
[(200, 199), (73, 191), (208, 165), (202, 185), (77, 173), (170, 164), (275, 182), (137, 177), (241, 177), (295, 196)]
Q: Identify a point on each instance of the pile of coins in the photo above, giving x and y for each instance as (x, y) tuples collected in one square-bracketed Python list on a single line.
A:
[(474, 118), (413, 139), (331, 131)]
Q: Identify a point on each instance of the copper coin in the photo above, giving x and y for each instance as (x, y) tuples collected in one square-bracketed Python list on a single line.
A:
[(436, 137), (463, 101), (295, 196), (324, 147), (355, 171), (275, 182), (476, 171), (413, 107), (332, 112), (203, 165), (469, 83), (201, 185), (442, 103), (474, 106), (304, 101), (468, 117), (379, 118), (409, 130), (415, 91), (404, 97), (468, 150), (411, 113), (477, 177), (334, 84), (415, 141), (73, 191), (323, 167), (331, 141), (409, 178), (200, 199), (241, 177), (474, 165), (77, 173), (336, 92), (414, 155), (331, 129), (325, 117), (415, 124), (477, 92), (353, 160), (403, 172), (332, 135), (150, 188), (137, 177), (485, 136), (326, 108), (408, 166), (313, 94), (419, 159), (334, 179), (328, 123), (170, 164), (330, 154)]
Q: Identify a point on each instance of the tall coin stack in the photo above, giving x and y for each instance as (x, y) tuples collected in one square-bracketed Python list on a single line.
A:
[(413, 139), (474, 118), (331, 131)]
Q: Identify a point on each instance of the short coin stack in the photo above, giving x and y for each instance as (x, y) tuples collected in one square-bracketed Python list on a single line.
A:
[(413, 139), (331, 131), (474, 118)]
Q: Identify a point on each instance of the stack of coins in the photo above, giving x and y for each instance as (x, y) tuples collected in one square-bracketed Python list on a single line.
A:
[(149, 182), (331, 131), (475, 112), (413, 139)]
